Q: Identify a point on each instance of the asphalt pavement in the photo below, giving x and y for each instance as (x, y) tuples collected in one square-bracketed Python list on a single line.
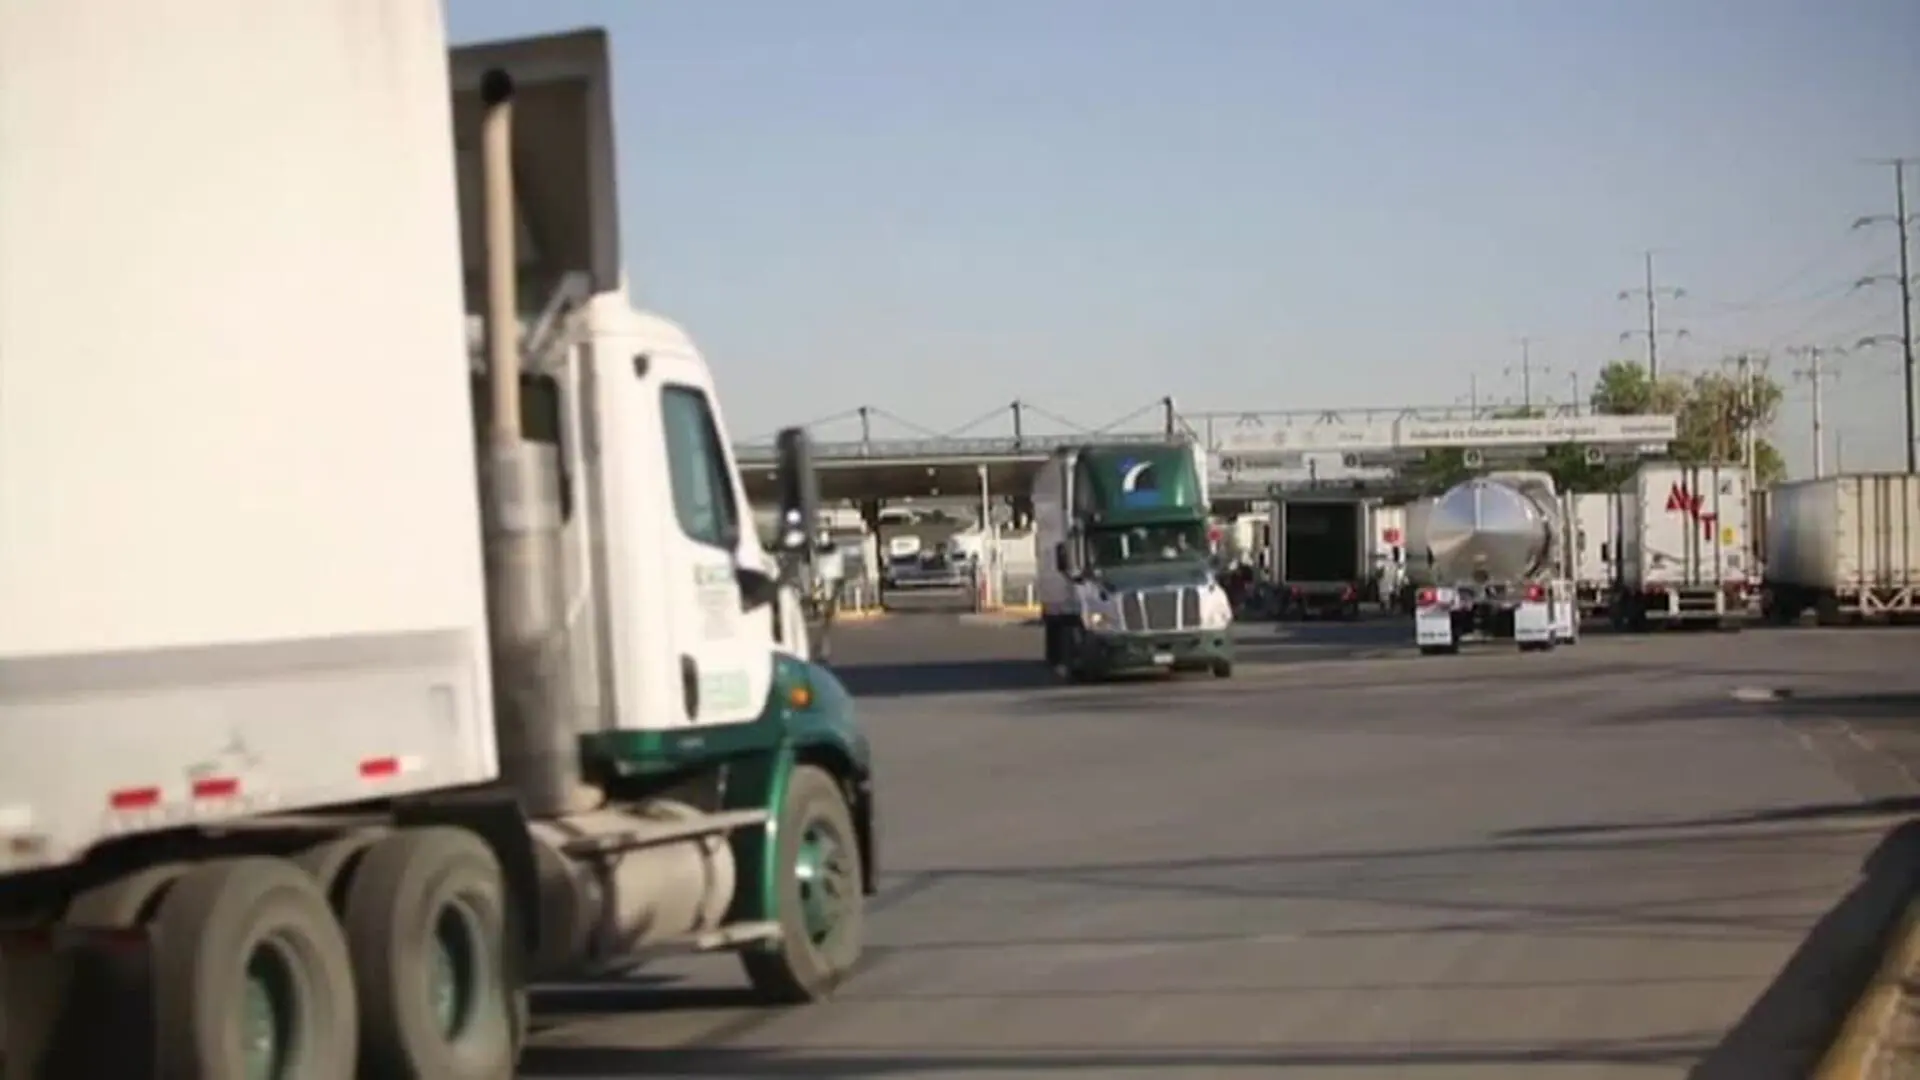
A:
[(1645, 856)]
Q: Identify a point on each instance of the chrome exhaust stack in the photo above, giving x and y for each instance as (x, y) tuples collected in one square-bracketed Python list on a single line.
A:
[(521, 515)]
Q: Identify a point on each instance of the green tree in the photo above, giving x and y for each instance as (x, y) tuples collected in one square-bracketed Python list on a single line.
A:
[(1711, 408)]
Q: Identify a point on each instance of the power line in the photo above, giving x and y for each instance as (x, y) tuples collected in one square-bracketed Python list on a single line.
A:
[(1816, 376), (1902, 223), (1653, 294)]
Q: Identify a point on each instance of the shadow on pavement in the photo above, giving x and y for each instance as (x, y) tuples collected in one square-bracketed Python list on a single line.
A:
[(1901, 705), (1869, 808), (853, 1063), (880, 680), (1787, 1030)]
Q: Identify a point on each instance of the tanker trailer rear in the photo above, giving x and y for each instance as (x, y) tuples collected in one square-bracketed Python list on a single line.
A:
[(1495, 553)]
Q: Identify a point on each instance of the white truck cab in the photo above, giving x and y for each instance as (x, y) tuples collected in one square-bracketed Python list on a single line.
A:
[(355, 676)]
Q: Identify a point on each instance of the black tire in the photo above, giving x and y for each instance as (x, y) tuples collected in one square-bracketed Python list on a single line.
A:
[(1072, 654), (124, 902), (1223, 669), (331, 862), (233, 935), (1439, 650), (819, 866), (425, 916)]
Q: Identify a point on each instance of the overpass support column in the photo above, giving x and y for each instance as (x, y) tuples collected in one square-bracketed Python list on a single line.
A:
[(870, 514)]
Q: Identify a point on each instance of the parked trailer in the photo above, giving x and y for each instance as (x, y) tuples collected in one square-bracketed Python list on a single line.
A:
[(1417, 566), (1844, 547), (1681, 547), (1322, 556), (1589, 545), (1389, 539), (331, 718)]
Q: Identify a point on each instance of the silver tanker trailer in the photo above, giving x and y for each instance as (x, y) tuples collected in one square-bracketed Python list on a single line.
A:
[(1495, 570)]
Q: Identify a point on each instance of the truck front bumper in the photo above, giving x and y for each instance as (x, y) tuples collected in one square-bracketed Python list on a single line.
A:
[(1145, 652)]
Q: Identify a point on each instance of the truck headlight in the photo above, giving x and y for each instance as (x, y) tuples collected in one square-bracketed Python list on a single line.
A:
[(1216, 611), (1094, 619)]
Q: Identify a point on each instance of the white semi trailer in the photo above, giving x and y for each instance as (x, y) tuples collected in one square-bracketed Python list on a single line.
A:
[(1844, 547), (1680, 547), (330, 718), (1495, 553), (1588, 517)]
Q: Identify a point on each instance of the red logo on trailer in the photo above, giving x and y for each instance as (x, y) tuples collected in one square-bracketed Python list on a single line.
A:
[(1391, 537), (1682, 501)]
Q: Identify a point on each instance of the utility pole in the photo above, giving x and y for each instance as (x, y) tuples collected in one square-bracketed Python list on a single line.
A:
[(1653, 294), (1743, 411), (1816, 376), (1525, 371), (1573, 377), (1902, 224)]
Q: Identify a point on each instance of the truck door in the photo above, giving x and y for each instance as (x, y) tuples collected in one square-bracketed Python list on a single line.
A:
[(724, 653)]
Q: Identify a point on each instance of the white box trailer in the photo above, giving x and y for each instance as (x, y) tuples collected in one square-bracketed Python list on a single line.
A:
[(1589, 546), (310, 677), (1388, 531), (1680, 546), (1844, 547)]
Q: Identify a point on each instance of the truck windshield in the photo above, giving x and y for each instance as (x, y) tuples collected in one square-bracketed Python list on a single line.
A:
[(1134, 545)]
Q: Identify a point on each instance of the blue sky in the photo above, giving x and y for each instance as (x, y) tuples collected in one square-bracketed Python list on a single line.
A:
[(937, 206)]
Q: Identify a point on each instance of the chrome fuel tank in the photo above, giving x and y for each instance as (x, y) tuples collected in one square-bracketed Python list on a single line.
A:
[(1492, 529)]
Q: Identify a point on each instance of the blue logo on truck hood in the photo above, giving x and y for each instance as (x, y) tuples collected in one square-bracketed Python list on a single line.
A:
[(1139, 484)]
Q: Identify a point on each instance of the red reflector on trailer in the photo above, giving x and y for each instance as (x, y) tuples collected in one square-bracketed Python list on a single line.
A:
[(379, 768), (134, 798), (216, 787)]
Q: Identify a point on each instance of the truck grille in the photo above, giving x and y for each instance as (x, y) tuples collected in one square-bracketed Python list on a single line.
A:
[(1159, 610)]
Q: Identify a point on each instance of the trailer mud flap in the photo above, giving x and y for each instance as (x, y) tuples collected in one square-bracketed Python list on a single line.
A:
[(76, 1003)]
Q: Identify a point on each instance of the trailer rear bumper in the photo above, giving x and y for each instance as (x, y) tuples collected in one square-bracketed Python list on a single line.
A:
[(1338, 599), (1691, 603)]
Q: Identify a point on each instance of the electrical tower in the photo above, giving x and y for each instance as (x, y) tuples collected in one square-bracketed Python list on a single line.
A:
[(1653, 294), (1902, 223), (1815, 374)]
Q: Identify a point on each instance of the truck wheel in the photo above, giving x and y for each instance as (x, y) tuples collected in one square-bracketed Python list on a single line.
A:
[(822, 910), (1072, 646), (123, 902), (256, 978), (1223, 669), (425, 916), (331, 862)]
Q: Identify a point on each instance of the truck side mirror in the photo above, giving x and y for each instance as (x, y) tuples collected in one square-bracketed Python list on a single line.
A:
[(1061, 561), (799, 491), (1604, 547)]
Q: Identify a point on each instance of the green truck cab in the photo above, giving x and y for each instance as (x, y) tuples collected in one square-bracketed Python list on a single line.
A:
[(1125, 579)]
